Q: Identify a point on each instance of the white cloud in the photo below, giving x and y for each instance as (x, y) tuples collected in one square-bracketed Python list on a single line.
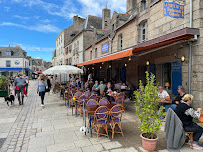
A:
[(69, 8), (21, 17), (45, 28), (31, 48)]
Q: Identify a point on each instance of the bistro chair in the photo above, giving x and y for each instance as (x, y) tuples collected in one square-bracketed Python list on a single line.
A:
[(119, 100), (100, 121), (88, 94), (115, 119), (79, 103), (81, 90), (71, 93), (77, 88), (92, 102), (94, 96), (190, 136), (121, 94), (103, 102)]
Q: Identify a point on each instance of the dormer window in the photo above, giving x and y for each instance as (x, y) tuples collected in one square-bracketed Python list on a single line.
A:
[(8, 53)]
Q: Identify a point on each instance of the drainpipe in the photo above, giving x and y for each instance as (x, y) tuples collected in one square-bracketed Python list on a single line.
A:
[(190, 50)]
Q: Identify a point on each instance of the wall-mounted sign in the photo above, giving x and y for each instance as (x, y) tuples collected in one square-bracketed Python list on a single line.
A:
[(17, 62), (105, 47), (173, 10)]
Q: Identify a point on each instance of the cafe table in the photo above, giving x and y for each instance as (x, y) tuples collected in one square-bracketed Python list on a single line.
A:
[(201, 118)]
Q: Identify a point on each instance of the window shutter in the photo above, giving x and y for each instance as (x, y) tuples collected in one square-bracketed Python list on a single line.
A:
[(176, 76)]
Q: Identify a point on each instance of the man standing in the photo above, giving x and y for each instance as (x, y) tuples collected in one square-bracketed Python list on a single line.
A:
[(19, 85)]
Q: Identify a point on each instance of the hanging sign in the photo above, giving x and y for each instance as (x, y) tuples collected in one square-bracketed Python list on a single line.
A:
[(105, 47), (173, 10)]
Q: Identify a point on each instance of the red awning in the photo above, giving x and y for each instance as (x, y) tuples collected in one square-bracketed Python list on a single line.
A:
[(110, 57), (183, 34)]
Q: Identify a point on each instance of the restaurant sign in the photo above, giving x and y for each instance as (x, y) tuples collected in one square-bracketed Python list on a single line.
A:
[(173, 10), (105, 47)]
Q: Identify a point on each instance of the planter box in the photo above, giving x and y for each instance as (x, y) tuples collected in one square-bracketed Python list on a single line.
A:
[(3, 93)]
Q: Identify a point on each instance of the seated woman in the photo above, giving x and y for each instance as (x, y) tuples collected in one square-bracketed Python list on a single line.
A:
[(107, 91), (95, 89), (186, 113)]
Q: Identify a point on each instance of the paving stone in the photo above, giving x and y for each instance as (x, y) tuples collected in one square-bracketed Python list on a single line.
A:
[(41, 141), (131, 149), (37, 149), (82, 143), (75, 150), (63, 137), (111, 145), (93, 148), (60, 147)]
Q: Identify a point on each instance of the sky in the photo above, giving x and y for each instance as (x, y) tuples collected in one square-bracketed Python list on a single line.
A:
[(34, 24)]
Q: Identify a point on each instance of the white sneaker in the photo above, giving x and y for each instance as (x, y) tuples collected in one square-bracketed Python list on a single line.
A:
[(42, 105), (195, 146)]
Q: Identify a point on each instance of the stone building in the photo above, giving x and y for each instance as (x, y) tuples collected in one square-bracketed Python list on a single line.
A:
[(64, 38), (145, 39), (14, 60)]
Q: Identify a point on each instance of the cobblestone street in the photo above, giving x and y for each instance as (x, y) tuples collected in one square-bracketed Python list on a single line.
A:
[(30, 128)]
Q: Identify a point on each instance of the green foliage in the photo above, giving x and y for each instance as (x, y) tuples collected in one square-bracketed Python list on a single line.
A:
[(147, 107), (3, 83)]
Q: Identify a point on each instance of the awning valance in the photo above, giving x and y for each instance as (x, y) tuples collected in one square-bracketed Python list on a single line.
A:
[(183, 34), (10, 69), (110, 57)]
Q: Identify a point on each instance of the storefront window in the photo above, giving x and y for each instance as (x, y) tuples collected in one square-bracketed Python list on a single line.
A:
[(166, 75)]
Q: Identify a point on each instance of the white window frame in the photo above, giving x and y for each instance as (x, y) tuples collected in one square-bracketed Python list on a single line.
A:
[(144, 5), (8, 53), (8, 61), (142, 27), (120, 41)]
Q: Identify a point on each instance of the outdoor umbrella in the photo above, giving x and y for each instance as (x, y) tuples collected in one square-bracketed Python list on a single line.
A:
[(63, 69)]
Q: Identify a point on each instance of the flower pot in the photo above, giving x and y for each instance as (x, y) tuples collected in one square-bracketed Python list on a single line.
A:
[(149, 144), (3, 93)]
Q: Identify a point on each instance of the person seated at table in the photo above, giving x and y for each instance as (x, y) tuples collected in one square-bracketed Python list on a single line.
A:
[(91, 83), (107, 93), (95, 89), (86, 85), (129, 90), (181, 92), (186, 114), (101, 88), (163, 94), (73, 81), (118, 85)]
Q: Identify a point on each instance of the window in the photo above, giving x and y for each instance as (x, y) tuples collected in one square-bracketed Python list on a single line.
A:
[(8, 53), (90, 55), (120, 42), (67, 61), (67, 50), (96, 53), (70, 61), (70, 48), (143, 32), (25, 64), (77, 46), (143, 5), (8, 63), (166, 74), (113, 27)]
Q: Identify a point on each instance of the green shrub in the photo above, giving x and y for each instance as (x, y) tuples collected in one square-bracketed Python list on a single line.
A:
[(3, 83), (147, 107)]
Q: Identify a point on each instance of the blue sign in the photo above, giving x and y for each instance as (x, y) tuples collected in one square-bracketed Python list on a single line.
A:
[(105, 47), (173, 10)]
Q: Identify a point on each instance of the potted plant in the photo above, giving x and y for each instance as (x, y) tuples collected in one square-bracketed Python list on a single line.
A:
[(149, 112), (3, 86)]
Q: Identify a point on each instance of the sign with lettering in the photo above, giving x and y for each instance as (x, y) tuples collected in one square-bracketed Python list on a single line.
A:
[(173, 10), (105, 47)]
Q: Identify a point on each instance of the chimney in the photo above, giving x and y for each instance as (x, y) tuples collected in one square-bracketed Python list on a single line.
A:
[(130, 6), (106, 17)]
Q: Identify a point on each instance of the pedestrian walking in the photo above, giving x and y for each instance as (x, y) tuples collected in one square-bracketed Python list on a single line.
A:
[(19, 85), (49, 85), (42, 84), (27, 83)]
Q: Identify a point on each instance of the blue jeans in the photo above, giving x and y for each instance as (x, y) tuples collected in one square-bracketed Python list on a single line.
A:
[(42, 94), (167, 106)]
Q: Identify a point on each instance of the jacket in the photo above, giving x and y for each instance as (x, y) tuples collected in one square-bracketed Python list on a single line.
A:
[(175, 134)]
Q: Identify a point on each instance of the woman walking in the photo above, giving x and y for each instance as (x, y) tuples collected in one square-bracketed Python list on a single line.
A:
[(42, 84)]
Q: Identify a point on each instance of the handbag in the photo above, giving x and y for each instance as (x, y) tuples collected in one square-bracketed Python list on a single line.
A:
[(47, 89)]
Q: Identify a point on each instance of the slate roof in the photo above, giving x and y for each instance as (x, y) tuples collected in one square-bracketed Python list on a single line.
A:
[(16, 51), (92, 22)]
